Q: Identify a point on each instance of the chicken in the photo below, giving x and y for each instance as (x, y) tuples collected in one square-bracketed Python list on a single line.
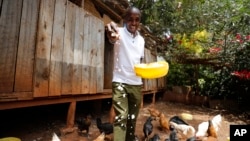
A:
[(211, 130), (106, 127), (203, 127), (177, 120), (173, 134), (148, 127), (101, 137), (164, 124), (84, 123), (154, 112), (186, 131), (156, 137), (55, 137)]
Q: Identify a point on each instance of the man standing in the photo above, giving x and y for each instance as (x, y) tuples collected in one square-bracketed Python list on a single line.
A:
[(126, 86)]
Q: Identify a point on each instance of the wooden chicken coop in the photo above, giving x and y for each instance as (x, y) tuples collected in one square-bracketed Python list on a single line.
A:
[(55, 51)]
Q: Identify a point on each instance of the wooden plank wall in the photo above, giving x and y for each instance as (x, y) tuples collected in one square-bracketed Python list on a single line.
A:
[(47, 49), (76, 53), (56, 54), (10, 19), (26, 46), (43, 48)]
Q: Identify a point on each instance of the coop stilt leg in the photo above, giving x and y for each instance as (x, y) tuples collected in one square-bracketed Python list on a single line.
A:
[(142, 100), (153, 99), (71, 114), (70, 119)]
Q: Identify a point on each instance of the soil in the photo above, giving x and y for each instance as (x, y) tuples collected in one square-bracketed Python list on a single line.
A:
[(39, 123)]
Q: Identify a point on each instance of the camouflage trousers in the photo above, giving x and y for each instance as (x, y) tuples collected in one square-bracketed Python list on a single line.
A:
[(126, 102)]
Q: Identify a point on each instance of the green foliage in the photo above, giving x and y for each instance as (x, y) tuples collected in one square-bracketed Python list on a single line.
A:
[(228, 25)]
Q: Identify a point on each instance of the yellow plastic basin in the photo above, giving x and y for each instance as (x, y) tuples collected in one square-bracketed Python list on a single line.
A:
[(152, 70)]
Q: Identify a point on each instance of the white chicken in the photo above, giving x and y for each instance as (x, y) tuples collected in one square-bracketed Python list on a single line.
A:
[(203, 127), (55, 137), (186, 131)]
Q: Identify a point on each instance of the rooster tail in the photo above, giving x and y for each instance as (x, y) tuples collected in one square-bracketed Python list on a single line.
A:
[(55, 137), (217, 121)]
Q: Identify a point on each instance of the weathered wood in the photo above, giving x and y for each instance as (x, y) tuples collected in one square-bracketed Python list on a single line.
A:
[(109, 64), (43, 48), (15, 96), (100, 55), (48, 101), (68, 51), (9, 32), (56, 56), (26, 46), (78, 47), (93, 56), (86, 53)]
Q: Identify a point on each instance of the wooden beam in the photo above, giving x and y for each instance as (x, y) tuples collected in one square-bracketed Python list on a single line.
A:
[(107, 10), (47, 101)]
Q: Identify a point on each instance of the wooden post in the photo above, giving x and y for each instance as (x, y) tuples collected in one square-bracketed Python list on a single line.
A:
[(153, 99), (142, 100), (70, 119), (71, 114)]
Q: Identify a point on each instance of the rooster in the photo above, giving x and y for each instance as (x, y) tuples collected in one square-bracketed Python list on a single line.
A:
[(101, 137), (186, 131), (164, 124), (148, 127), (84, 123), (106, 127), (213, 128), (154, 112)]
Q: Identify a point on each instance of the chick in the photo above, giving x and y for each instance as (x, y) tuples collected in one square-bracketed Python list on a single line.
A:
[(211, 130), (106, 127), (164, 124), (156, 137), (177, 120), (101, 137), (148, 127), (154, 112), (84, 123)]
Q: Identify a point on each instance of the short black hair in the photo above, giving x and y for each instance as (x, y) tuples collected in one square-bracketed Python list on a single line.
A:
[(130, 10)]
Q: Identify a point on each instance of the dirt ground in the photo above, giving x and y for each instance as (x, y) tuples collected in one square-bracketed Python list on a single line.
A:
[(38, 123)]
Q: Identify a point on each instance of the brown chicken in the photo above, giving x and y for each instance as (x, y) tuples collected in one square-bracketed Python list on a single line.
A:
[(164, 124), (154, 112), (101, 137), (211, 132)]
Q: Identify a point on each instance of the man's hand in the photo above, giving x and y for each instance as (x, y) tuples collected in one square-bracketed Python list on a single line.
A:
[(112, 32)]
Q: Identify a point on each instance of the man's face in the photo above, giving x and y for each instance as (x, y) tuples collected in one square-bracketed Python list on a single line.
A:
[(133, 22)]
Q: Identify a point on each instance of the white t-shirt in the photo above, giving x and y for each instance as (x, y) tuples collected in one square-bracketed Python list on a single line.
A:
[(128, 51)]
